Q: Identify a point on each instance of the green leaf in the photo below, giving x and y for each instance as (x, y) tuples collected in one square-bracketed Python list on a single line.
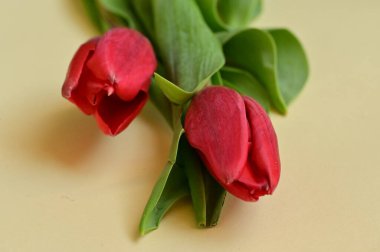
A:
[(170, 187), (144, 11), (193, 168), (207, 195), (183, 175), (254, 50), (238, 13), (174, 93), (292, 66), (215, 196), (229, 14), (275, 58), (257, 8), (246, 84), (121, 8), (161, 102), (224, 36), (190, 51), (216, 79), (95, 15)]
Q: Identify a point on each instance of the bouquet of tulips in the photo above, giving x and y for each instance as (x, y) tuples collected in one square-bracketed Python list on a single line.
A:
[(213, 79)]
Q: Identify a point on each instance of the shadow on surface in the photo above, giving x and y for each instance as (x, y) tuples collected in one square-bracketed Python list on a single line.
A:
[(67, 136)]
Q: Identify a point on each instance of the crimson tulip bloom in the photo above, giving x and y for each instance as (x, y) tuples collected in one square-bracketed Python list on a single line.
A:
[(109, 78), (236, 140)]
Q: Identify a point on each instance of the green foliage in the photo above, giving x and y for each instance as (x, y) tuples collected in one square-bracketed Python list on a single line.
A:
[(206, 194), (184, 175), (94, 13), (198, 43), (188, 48), (275, 58), (292, 66)]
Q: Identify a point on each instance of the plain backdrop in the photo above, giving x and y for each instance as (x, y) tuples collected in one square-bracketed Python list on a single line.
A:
[(66, 187)]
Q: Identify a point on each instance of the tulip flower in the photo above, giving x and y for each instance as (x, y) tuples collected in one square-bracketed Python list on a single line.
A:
[(236, 141), (109, 78)]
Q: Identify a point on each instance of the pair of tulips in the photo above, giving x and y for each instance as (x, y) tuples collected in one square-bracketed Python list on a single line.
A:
[(109, 77)]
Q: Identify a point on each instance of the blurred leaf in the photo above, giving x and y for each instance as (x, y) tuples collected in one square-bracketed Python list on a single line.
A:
[(224, 36), (246, 84), (144, 11), (229, 14), (216, 79), (238, 13), (292, 66), (122, 9), (188, 48), (94, 13), (257, 8)]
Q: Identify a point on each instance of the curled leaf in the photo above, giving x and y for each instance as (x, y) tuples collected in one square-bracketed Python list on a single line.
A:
[(229, 14), (254, 50), (292, 66), (275, 58)]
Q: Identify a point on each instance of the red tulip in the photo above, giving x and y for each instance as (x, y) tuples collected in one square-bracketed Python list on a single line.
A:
[(109, 78), (236, 140)]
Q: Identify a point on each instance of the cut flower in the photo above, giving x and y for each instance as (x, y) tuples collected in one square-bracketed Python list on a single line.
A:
[(109, 78), (236, 140)]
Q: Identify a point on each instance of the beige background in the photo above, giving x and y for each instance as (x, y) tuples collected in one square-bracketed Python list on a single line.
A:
[(66, 187)]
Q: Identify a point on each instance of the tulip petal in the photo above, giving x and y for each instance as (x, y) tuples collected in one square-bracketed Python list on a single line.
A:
[(74, 86), (114, 115), (263, 158), (250, 185), (124, 58), (216, 125), (80, 96)]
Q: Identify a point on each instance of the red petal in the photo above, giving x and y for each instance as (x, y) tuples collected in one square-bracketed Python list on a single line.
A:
[(76, 67), (250, 185), (86, 95), (216, 125), (126, 59), (263, 158), (114, 115), (74, 86)]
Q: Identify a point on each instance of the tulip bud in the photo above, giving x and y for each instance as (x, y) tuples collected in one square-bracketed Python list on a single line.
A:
[(236, 140), (109, 78)]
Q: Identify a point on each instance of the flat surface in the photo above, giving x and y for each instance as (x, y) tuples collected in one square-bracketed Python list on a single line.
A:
[(66, 187)]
